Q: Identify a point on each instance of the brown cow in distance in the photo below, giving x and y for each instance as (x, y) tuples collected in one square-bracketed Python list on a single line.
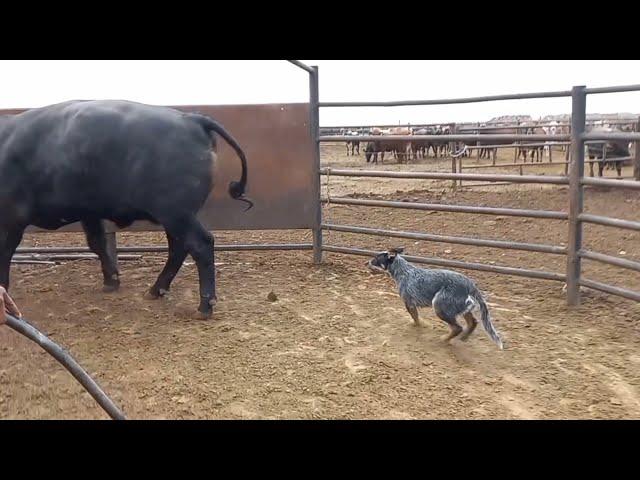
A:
[(402, 148)]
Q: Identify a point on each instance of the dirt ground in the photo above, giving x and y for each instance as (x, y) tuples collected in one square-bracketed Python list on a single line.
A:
[(337, 342)]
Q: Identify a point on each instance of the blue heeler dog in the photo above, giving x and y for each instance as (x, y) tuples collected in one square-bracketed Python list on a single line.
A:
[(451, 294)]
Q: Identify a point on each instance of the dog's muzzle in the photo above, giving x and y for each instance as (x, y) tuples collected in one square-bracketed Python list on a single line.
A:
[(375, 268)]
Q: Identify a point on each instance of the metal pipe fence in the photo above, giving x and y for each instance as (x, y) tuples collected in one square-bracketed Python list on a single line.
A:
[(574, 178)]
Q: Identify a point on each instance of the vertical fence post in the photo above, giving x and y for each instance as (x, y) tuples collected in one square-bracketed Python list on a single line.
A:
[(314, 123), (567, 156), (576, 173), (636, 160), (453, 162)]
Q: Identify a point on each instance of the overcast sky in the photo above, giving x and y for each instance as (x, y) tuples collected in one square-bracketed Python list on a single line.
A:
[(30, 83)]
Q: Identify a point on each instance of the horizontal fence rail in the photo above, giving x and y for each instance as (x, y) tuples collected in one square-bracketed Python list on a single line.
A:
[(557, 180), (449, 101), (159, 249), (53, 257), (520, 272), (533, 124), (490, 137), (627, 137), (608, 222), (614, 89), (612, 159), (611, 260), (498, 165), (528, 247), (509, 127), (488, 98), (603, 287), (466, 185), (436, 207), (474, 126), (606, 182), (512, 145), (542, 164), (405, 125)]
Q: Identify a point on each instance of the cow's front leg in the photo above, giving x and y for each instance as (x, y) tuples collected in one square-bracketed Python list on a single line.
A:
[(10, 238), (97, 241), (177, 254)]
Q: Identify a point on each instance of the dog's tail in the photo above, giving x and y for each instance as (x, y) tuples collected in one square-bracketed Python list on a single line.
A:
[(486, 321)]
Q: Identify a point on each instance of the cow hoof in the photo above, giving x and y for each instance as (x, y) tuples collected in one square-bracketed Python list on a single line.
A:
[(153, 294), (204, 315), (205, 310), (110, 288)]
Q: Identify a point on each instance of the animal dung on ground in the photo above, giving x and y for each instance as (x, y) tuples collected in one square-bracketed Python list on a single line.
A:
[(272, 297)]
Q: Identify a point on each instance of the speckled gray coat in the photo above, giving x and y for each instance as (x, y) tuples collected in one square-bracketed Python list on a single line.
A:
[(451, 294)]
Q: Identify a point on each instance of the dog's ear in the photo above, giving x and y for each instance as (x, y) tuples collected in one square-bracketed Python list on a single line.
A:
[(396, 250)]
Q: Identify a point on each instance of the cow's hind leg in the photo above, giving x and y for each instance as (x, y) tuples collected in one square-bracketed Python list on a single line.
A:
[(97, 241), (198, 242), (10, 238), (177, 254)]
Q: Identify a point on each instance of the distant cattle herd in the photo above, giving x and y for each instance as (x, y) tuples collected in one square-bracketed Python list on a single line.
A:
[(406, 150)]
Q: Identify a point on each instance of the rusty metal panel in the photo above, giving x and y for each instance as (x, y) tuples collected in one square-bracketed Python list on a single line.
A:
[(276, 139)]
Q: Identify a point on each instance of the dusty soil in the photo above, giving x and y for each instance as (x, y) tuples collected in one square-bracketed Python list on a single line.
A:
[(337, 342)]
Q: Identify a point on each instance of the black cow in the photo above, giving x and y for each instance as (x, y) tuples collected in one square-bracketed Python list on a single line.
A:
[(489, 152), (381, 146), (88, 161), (353, 146), (420, 147), (441, 145), (536, 152), (614, 149)]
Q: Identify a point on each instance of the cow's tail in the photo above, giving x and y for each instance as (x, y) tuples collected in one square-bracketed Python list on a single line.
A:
[(486, 320), (236, 189)]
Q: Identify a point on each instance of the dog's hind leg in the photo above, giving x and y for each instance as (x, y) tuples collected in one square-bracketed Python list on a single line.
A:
[(455, 327), (445, 310), (471, 325), (413, 311)]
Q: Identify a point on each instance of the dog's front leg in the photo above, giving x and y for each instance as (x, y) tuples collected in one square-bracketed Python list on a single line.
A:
[(413, 311)]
